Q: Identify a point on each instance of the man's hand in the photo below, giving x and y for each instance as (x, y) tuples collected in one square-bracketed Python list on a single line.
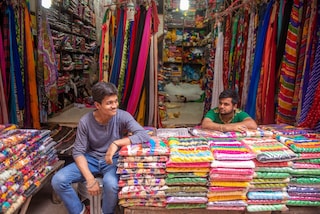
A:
[(112, 149), (93, 187)]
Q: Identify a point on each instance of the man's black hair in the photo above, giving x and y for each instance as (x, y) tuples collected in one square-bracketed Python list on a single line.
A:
[(102, 89), (230, 93)]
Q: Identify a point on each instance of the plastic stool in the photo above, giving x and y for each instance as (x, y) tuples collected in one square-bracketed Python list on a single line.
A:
[(95, 201)]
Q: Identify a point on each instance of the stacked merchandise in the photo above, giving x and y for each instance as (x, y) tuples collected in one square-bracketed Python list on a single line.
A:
[(304, 186), (268, 189), (142, 174), (26, 156), (230, 174), (187, 169)]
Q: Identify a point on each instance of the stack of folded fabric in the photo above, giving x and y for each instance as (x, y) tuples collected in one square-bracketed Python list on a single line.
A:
[(272, 174), (26, 156), (187, 169), (230, 175), (304, 187), (142, 174)]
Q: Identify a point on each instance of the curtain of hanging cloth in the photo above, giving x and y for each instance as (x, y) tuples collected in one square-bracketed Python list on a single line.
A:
[(141, 65), (266, 88), (253, 88), (286, 110), (134, 53), (31, 71), (217, 86), (234, 32)]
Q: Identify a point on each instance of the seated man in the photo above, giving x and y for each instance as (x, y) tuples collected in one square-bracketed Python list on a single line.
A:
[(100, 134), (227, 117)]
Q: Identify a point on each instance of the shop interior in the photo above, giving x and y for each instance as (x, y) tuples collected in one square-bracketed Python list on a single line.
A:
[(169, 68)]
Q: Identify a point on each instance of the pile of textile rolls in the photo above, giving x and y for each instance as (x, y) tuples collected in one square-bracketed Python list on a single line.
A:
[(141, 168), (188, 167), (272, 174), (230, 175), (304, 187), (26, 156)]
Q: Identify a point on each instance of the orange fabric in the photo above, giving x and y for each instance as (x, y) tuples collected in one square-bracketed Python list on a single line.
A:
[(31, 68)]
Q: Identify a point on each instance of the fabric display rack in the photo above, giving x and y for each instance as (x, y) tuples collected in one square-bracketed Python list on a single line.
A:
[(28, 158), (273, 169)]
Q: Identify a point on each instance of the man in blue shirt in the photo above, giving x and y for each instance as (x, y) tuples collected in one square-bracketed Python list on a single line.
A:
[(227, 117), (100, 134)]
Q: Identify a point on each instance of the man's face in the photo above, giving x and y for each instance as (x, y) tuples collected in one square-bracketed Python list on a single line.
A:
[(226, 106), (108, 106)]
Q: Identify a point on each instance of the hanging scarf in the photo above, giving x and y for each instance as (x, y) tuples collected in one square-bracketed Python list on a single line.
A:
[(249, 59), (114, 78), (218, 69), (104, 55), (302, 57), (286, 110), (226, 50), (305, 97), (31, 71)]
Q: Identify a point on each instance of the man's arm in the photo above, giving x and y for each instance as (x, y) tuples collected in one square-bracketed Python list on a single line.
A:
[(246, 124)]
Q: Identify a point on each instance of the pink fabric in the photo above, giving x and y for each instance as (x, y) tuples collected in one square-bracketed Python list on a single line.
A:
[(141, 66)]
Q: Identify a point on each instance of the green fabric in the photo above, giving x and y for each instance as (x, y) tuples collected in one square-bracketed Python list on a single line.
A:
[(239, 115)]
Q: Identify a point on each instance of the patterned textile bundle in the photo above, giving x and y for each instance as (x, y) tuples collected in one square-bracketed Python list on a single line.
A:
[(267, 190), (304, 185), (230, 174), (187, 168), (27, 156), (284, 129), (142, 174)]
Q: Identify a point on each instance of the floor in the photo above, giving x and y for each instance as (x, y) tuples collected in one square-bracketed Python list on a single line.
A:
[(188, 114)]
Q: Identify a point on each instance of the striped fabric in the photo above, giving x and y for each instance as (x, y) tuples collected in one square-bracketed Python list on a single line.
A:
[(312, 100), (286, 108)]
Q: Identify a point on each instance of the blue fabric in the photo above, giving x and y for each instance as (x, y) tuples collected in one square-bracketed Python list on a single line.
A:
[(63, 179), (253, 88), (16, 59), (118, 51)]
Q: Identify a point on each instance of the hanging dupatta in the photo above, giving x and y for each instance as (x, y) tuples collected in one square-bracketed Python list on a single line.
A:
[(104, 55), (218, 69), (47, 63), (286, 110), (3, 85), (31, 71), (311, 43), (226, 50), (248, 59), (141, 66), (114, 77), (251, 103)]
